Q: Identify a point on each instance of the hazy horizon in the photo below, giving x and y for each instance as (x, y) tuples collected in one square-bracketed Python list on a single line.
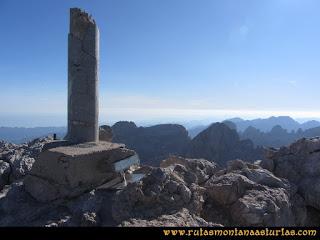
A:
[(165, 61), (51, 120)]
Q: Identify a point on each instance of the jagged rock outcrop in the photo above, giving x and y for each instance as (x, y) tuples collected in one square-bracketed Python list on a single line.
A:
[(219, 143), (16, 160), (163, 191), (188, 192), (183, 218), (250, 196), (153, 144), (200, 169), (18, 208), (300, 164), (244, 194)]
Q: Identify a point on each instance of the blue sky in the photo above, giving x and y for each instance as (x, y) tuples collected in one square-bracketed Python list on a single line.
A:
[(165, 59)]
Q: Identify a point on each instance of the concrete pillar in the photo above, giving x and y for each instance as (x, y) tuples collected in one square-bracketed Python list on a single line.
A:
[(83, 79)]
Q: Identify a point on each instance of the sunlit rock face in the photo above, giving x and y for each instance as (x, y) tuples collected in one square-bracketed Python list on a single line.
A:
[(220, 143), (300, 164)]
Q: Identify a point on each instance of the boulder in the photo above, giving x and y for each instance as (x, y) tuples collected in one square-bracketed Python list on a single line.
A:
[(300, 164), (163, 191), (269, 207), (248, 195), (228, 188), (202, 168), (257, 174), (21, 167)]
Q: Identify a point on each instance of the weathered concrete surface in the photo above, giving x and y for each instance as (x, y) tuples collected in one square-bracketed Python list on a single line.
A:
[(54, 144), (83, 63), (65, 172)]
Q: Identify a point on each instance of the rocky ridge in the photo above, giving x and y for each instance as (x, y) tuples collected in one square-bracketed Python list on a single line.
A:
[(17, 160), (220, 142), (181, 192), (153, 144)]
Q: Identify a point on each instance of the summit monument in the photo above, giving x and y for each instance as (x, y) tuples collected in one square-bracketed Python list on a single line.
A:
[(82, 162), (83, 78)]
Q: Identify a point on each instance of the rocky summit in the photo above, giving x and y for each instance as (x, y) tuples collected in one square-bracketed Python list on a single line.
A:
[(280, 190)]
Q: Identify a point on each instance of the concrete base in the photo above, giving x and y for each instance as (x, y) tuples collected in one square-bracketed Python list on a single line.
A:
[(69, 171), (55, 144)]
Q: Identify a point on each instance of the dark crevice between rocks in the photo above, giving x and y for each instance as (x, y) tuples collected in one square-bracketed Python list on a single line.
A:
[(9, 175), (315, 151), (215, 213), (313, 217)]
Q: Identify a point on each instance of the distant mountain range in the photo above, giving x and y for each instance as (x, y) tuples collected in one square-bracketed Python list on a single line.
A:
[(273, 131), (266, 124), (263, 124), (277, 136), (219, 142)]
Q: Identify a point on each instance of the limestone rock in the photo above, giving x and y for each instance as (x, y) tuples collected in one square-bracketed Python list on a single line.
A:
[(21, 167), (248, 195), (257, 174), (269, 207), (243, 194), (267, 163), (66, 172), (310, 191), (4, 173), (300, 164), (299, 210), (202, 168), (227, 189), (182, 192), (163, 191), (89, 219), (18, 208), (183, 218), (21, 157)]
